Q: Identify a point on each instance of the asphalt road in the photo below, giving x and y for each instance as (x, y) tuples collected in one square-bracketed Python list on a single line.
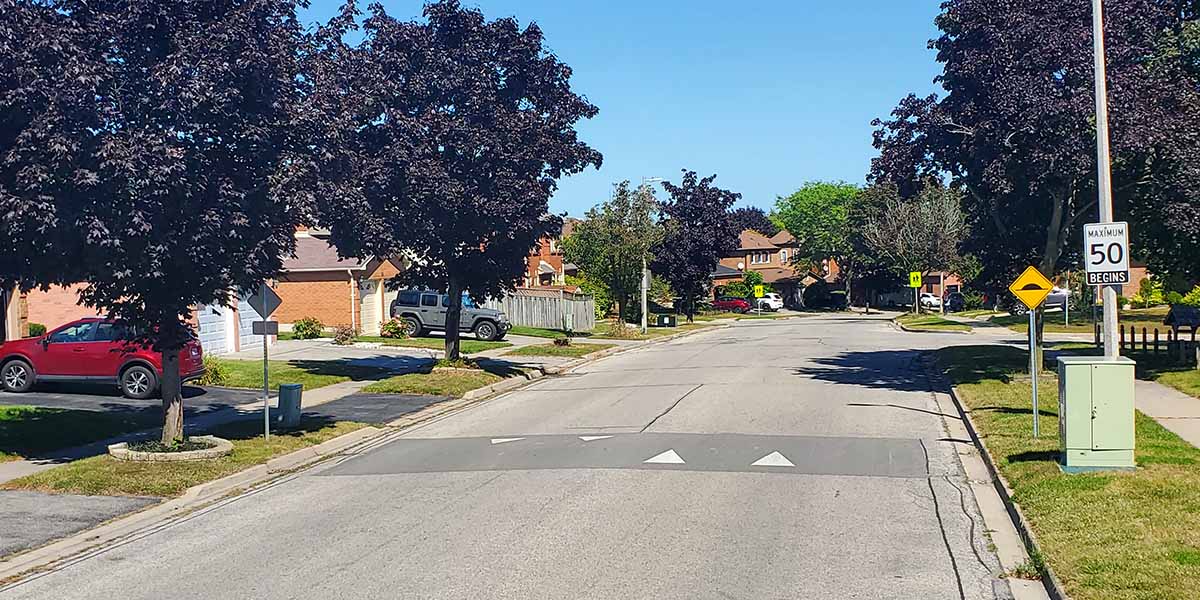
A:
[(794, 459)]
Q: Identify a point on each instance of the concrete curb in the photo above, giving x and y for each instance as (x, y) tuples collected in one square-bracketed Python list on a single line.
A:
[(85, 543), (902, 327), (1050, 581)]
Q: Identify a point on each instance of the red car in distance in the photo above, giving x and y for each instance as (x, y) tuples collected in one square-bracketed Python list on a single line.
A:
[(731, 304), (91, 350)]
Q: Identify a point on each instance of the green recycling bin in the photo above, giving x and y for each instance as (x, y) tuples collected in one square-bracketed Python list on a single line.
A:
[(289, 404), (665, 321)]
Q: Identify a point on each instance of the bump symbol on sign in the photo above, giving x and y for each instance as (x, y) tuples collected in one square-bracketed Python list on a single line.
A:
[(1031, 288)]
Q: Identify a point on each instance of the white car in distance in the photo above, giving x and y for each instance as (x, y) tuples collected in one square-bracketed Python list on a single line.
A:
[(772, 302)]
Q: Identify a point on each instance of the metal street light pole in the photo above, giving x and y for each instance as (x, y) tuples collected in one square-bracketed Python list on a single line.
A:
[(645, 273), (1112, 348)]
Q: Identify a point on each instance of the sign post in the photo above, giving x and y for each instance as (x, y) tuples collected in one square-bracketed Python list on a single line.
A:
[(914, 282), (1031, 288), (265, 303)]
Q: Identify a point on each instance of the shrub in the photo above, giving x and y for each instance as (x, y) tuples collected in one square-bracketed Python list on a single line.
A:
[(307, 328), (215, 372), (36, 329), (1174, 298), (1192, 298), (395, 329), (619, 330), (562, 341), (973, 301), (1150, 293), (343, 335), (1122, 302)]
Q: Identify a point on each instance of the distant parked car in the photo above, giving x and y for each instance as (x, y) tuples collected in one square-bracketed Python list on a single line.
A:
[(424, 311), (731, 304), (929, 300), (1058, 297), (772, 302), (956, 302), (92, 350)]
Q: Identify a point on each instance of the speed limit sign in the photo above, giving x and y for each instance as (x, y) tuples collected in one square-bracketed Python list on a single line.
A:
[(1106, 253)]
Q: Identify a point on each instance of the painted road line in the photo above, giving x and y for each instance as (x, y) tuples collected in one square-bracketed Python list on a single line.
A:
[(774, 459), (505, 440), (666, 458), (592, 438)]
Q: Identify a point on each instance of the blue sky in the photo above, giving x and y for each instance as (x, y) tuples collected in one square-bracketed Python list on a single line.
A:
[(767, 95)]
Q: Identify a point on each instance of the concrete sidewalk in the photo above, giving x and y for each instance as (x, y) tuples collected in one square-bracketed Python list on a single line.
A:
[(1173, 409)]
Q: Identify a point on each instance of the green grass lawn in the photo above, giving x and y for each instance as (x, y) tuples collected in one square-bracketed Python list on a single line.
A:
[(551, 334), (575, 350), (975, 314), (439, 382), (930, 323), (312, 374), (1150, 318), (288, 335), (716, 316), (28, 431), (1110, 536), (104, 475), (604, 331), (467, 346)]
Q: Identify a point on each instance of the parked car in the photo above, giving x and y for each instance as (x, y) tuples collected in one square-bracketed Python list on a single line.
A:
[(956, 302), (424, 311), (731, 304), (1058, 297), (92, 350), (772, 302), (929, 300)]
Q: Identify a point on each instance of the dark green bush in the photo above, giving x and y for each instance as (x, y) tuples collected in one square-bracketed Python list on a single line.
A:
[(36, 329), (307, 328)]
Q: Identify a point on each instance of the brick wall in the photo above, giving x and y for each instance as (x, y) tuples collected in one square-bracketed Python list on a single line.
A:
[(56, 306), (325, 296)]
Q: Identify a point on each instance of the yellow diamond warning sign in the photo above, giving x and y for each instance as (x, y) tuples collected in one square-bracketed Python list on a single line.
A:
[(1031, 288)]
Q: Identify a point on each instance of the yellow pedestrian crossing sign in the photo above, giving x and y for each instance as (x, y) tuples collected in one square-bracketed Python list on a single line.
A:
[(1031, 288), (914, 279), (758, 291)]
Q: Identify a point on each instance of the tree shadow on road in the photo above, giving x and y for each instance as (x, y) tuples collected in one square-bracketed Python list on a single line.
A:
[(897, 370)]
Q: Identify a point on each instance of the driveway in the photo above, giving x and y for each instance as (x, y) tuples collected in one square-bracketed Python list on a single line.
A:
[(196, 400), (789, 459)]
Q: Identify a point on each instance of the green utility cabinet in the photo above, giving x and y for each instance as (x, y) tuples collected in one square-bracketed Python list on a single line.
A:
[(1095, 407)]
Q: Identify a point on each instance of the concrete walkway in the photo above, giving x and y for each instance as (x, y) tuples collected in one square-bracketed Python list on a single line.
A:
[(1172, 408)]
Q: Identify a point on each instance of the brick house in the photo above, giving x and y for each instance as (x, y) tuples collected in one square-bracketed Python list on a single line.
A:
[(774, 258), (14, 324), (317, 283), (545, 267)]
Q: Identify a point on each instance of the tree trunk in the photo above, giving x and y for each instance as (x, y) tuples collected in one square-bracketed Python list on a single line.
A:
[(171, 389), (453, 317)]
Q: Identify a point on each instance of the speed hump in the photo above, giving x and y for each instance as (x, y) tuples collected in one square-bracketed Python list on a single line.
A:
[(1031, 288)]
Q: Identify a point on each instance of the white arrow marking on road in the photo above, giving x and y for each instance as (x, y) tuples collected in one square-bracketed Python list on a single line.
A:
[(773, 459), (666, 458), (505, 440), (592, 438)]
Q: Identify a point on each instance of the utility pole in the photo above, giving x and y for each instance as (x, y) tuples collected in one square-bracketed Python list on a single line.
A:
[(645, 273), (1112, 348)]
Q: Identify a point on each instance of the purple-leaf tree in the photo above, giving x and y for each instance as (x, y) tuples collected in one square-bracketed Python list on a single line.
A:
[(140, 151), (1015, 131), (458, 131), (698, 230)]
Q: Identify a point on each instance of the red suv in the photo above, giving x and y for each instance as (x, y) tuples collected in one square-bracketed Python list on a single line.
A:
[(92, 350), (731, 304)]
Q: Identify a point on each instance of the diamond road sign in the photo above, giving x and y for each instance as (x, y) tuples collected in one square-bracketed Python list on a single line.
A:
[(1106, 252), (1031, 288), (265, 301)]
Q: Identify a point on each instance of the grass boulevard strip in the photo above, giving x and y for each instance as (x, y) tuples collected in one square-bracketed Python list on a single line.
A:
[(1110, 536)]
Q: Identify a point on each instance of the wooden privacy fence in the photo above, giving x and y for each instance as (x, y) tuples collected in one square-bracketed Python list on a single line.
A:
[(548, 309)]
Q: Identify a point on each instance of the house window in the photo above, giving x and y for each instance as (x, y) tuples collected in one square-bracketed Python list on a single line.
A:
[(783, 256), (760, 258)]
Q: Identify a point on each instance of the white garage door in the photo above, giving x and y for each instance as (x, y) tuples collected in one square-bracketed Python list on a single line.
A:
[(370, 307)]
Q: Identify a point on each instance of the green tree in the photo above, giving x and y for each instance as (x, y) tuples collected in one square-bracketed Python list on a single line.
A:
[(614, 239), (745, 287), (818, 215)]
